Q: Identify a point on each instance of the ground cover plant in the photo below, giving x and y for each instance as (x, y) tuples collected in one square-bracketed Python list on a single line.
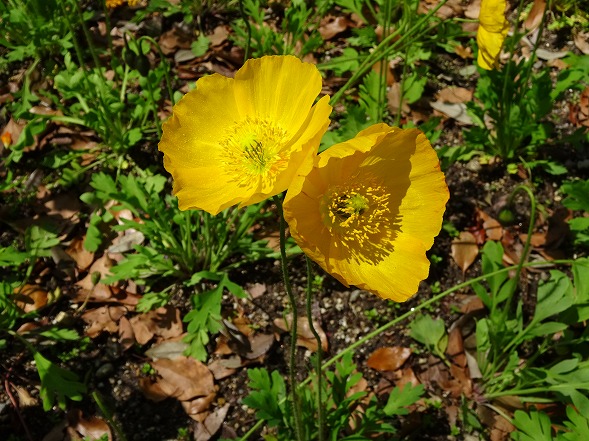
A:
[(331, 220)]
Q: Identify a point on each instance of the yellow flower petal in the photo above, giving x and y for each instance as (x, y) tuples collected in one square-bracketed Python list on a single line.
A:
[(493, 28), (277, 88), (242, 140), (370, 209)]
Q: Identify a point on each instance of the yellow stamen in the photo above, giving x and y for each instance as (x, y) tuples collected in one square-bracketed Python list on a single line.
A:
[(359, 215), (253, 149)]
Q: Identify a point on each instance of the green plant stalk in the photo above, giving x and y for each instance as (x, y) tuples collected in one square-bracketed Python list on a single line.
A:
[(535, 390), (165, 64), (245, 18), (526, 249), (506, 143), (318, 358), (382, 50), (158, 122), (108, 416), (293, 324), (109, 118), (408, 314), (87, 35)]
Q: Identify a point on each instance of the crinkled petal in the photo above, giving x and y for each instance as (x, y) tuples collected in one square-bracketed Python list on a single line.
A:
[(279, 88), (200, 120)]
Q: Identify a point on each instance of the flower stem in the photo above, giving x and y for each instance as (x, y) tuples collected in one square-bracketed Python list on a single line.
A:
[(319, 356), (296, 410)]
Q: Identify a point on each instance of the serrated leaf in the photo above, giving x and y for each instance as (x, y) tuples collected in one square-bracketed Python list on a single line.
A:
[(430, 332), (401, 398), (533, 426), (554, 296), (57, 383), (266, 395)]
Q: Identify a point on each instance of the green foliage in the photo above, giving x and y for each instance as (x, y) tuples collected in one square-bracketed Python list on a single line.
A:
[(430, 332), (351, 416), (515, 103), (34, 29), (57, 384), (503, 337), (297, 35), (577, 198), (179, 244), (205, 317), (537, 426)]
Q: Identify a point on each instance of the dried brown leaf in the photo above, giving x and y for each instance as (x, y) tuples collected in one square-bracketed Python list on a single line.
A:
[(388, 358), (30, 297), (164, 322), (197, 409), (183, 378), (581, 40), (103, 319), (211, 425), (331, 26), (455, 95), (89, 428), (305, 336), (464, 250), (81, 255), (534, 18)]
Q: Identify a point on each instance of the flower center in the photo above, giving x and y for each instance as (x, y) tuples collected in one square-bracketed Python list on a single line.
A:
[(252, 149), (360, 219)]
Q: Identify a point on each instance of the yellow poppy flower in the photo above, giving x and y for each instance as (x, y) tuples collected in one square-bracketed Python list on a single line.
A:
[(493, 28), (369, 210), (242, 140)]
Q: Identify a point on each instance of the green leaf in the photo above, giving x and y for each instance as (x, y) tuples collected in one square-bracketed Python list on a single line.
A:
[(554, 296), (11, 257), (266, 395), (581, 277), (578, 424), (430, 332), (401, 398), (204, 319), (533, 426), (577, 195), (492, 260), (200, 46), (57, 382)]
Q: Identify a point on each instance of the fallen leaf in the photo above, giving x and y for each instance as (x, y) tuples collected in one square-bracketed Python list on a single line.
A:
[(197, 409), (534, 18), (89, 428), (305, 336), (581, 40), (183, 378), (260, 344), (331, 26), (211, 425), (455, 95), (169, 349), (388, 358), (30, 297), (225, 367), (455, 111), (493, 229), (103, 319), (164, 322), (455, 348), (81, 255), (464, 250)]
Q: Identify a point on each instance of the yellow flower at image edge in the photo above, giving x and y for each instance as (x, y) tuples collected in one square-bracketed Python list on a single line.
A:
[(242, 140), (493, 28), (369, 210)]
